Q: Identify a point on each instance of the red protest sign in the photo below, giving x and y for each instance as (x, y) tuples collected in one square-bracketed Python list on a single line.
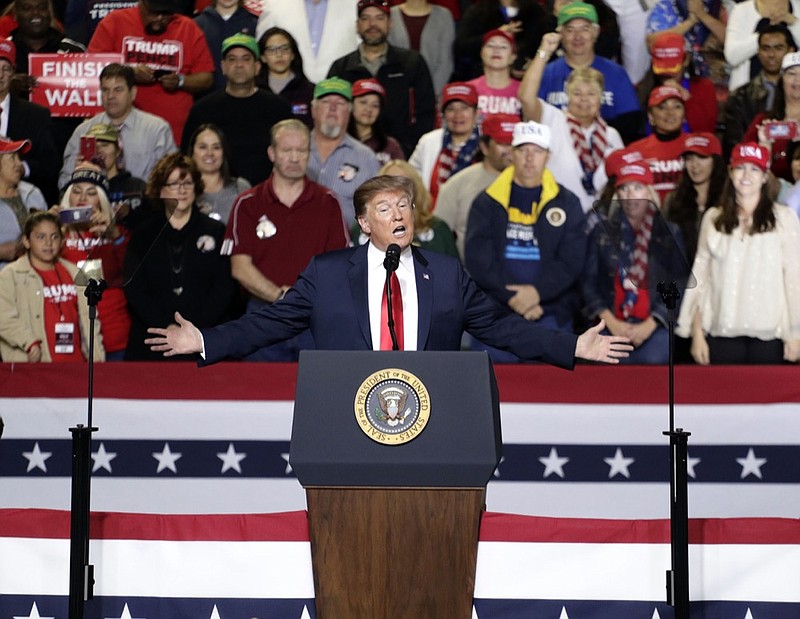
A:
[(69, 84)]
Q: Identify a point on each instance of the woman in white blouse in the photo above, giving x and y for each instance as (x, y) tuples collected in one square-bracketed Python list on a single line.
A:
[(746, 306)]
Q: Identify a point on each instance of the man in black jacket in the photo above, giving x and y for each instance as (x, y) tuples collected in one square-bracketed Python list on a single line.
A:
[(410, 101), (245, 113), (22, 120)]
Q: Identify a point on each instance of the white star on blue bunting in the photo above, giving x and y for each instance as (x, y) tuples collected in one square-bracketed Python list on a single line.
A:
[(554, 463), (167, 459), (751, 465), (102, 459), (231, 459), (36, 458), (619, 464)]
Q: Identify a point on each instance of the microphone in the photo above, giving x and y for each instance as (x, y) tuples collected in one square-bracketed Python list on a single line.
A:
[(392, 260), (390, 263)]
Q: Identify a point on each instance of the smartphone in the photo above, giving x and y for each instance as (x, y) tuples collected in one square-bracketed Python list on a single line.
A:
[(75, 215), (88, 147), (159, 73), (781, 130)]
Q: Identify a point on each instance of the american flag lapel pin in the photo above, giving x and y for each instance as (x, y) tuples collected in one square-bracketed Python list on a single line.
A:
[(425, 276)]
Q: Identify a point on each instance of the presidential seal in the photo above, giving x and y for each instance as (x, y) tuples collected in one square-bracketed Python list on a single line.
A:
[(392, 406)]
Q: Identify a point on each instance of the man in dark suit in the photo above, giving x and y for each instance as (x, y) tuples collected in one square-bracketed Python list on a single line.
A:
[(339, 298), (22, 120)]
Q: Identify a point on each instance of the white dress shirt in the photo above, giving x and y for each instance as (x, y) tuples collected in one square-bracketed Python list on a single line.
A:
[(376, 280)]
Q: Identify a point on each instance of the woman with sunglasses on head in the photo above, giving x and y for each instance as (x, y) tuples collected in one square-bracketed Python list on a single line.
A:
[(746, 306), (173, 263)]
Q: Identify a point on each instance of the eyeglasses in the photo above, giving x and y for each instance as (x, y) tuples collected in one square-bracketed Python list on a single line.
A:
[(175, 185), (274, 50)]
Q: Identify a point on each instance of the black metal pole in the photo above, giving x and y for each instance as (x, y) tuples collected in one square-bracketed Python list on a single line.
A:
[(81, 573), (81, 579), (678, 575)]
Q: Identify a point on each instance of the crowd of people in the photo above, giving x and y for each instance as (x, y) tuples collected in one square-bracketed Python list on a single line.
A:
[(571, 154)]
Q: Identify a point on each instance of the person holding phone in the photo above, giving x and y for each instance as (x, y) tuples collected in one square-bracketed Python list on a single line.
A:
[(97, 244), (776, 128)]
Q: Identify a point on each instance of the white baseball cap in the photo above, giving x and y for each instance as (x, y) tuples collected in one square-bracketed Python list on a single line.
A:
[(790, 60), (531, 133)]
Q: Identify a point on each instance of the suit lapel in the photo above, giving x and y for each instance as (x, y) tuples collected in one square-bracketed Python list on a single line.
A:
[(357, 274), (424, 278)]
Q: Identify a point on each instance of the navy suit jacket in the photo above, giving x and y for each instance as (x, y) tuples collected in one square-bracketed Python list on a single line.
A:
[(330, 299)]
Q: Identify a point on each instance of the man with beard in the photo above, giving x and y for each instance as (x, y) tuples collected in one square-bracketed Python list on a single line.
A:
[(245, 114), (338, 161), (410, 101), (168, 52)]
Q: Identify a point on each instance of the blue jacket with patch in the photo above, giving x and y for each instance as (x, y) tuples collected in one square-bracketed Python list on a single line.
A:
[(560, 228)]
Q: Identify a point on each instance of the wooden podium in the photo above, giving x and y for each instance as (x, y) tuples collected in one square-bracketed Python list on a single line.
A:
[(394, 523)]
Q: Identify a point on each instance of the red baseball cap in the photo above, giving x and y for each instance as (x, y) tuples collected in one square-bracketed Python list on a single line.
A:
[(618, 158), (14, 146), (500, 127), (659, 94), (460, 91), (704, 144), (8, 51), (383, 5), (502, 34), (634, 172), (369, 86), (750, 152), (668, 53)]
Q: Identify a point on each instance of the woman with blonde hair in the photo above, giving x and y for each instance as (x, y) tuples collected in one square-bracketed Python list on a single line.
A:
[(430, 232), (581, 139), (97, 244)]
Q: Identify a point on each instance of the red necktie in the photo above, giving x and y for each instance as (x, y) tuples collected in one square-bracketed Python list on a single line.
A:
[(397, 314)]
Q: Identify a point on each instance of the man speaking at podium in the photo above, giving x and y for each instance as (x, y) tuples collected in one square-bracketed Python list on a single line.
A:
[(348, 298)]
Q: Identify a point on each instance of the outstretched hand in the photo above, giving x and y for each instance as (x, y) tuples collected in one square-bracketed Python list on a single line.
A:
[(593, 346), (182, 338)]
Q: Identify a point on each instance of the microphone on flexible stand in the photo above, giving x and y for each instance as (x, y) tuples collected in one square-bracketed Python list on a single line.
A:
[(390, 263)]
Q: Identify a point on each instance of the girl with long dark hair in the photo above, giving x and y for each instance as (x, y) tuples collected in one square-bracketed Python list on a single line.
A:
[(746, 306)]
